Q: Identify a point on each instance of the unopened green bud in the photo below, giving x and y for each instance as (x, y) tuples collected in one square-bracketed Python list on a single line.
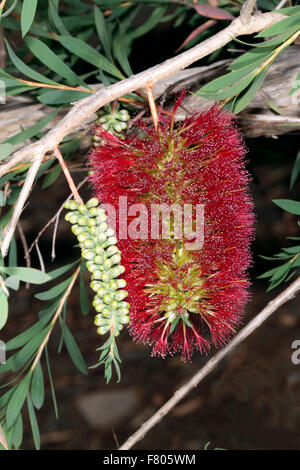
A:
[(121, 283), (99, 307), (125, 319), (83, 236), (102, 330), (95, 286), (99, 250), (93, 230), (124, 311), (98, 259), (93, 212), (102, 237), (82, 208), (82, 221), (73, 219), (106, 312), (112, 241), (103, 227), (101, 291), (88, 255), (107, 264), (107, 299), (110, 232), (89, 243), (113, 285), (92, 202), (120, 295), (73, 205), (115, 259), (112, 250), (114, 304), (105, 276)]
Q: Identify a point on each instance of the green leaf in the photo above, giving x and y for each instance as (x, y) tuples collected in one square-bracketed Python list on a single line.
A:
[(248, 94), (5, 150), (284, 25), (37, 387), (51, 177), (25, 69), (121, 56), (3, 309), (13, 253), (51, 382), (295, 170), (28, 334), (27, 15), (289, 10), (52, 61), (290, 206), (59, 271), (12, 282), (31, 275), (17, 436), (74, 351), (230, 78), (55, 97), (2, 199), (253, 55), (84, 300), (102, 31), (89, 54), (33, 130), (54, 291), (55, 18), (34, 424), (17, 400), (29, 349)]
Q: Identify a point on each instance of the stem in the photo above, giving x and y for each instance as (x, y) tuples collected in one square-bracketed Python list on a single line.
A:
[(57, 313), (68, 176)]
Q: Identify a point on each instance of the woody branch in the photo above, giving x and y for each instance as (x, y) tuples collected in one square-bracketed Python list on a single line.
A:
[(84, 108)]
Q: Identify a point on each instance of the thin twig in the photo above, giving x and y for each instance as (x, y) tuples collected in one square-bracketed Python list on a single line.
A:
[(247, 10), (40, 258), (55, 217), (281, 4), (27, 186), (53, 254), (53, 321), (68, 176), (25, 248), (152, 105), (257, 321)]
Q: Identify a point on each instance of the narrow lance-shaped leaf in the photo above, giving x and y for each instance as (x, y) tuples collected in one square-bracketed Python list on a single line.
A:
[(34, 423), (27, 15), (31, 275), (17, 400), (52, 61), (3, 309)]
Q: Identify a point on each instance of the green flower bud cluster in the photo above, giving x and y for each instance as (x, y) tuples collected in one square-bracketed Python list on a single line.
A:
[(103, 260), (114, 122)]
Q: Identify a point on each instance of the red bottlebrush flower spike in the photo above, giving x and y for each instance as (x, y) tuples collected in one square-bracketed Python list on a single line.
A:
[(181, 298)]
